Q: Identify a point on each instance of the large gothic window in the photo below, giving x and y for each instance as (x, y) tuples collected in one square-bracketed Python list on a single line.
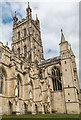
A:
[(56, 79)]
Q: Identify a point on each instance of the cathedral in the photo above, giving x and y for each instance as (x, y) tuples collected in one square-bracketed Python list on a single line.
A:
[(29, 84)]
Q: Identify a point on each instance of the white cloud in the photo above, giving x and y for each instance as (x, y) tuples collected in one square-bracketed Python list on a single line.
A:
[(47, 1), (7, 33)]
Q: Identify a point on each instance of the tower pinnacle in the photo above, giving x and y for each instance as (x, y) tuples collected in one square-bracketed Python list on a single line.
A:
[(28, 5), (29, 16), (15, 14), (36, 17), (37, 21), (15, 19), (71, 50), (62, 37)]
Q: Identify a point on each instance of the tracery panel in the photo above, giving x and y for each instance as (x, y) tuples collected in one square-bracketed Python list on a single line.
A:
[(56, 79)]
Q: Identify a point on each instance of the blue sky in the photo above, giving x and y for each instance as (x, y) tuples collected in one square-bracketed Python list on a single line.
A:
[(53, 16)]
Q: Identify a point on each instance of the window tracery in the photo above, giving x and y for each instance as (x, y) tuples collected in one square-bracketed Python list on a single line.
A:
[(56, 79)]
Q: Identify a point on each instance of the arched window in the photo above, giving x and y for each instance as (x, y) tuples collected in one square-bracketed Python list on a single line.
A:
[(0, 52), (56, 79), (18, 35), (24, 32), (19, 85), (40, 74), (18, 52), (3, 82), (25, 50)]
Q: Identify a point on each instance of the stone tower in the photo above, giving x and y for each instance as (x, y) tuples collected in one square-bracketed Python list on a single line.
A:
[(26, 40), (69, 76)]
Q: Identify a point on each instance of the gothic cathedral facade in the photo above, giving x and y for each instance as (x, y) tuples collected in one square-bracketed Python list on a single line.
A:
[(29, 84)]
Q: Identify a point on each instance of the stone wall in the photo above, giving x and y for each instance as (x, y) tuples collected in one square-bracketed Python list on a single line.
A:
[(72, 108), (58, 104)]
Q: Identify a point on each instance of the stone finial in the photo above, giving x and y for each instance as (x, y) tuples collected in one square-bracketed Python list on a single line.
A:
[(37, 18)]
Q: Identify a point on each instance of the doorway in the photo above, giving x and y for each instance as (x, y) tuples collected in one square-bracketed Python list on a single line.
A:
[(44, 109), (36, 109), (10, 107), (26, 108)]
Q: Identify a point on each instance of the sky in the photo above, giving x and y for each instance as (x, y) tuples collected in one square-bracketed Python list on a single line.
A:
[(53, 17)]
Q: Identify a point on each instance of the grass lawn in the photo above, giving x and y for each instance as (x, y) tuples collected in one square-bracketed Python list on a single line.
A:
[(44, 116)]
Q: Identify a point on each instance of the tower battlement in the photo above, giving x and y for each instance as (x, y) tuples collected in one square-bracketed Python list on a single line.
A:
[(28, 18)]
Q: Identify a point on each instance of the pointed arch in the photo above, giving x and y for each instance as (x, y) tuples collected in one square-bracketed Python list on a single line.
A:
[(3, 82), (4, 71), (19, 85)]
